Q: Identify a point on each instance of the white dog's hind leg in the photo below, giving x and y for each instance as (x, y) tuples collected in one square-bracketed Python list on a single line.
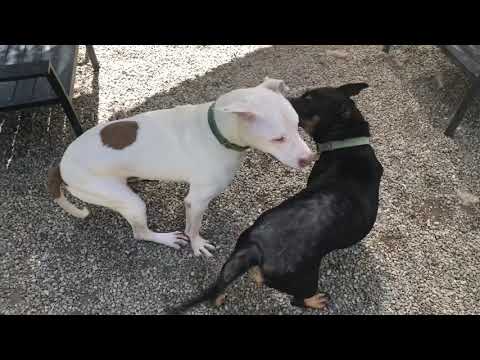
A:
[(196, 203), (70, 208), (116, 195)]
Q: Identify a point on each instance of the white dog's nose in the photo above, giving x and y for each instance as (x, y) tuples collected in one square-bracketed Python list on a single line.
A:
[(304, 162)]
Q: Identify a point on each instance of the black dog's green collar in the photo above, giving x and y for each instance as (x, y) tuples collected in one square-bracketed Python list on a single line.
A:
[(221, 139), (334, 145)]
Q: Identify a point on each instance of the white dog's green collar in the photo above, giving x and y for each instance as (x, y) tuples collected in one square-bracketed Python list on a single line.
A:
[(221, 139)]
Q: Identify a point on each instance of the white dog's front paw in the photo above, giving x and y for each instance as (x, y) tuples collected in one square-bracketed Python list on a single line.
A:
[(200, 246), (175, 239)]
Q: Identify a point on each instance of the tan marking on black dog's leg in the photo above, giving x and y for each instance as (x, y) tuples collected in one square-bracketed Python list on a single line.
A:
[(319, 302), (220, 300), (256, 275)]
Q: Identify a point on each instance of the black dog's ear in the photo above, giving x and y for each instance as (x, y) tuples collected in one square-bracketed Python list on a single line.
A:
[(352, 89), (346, 110)]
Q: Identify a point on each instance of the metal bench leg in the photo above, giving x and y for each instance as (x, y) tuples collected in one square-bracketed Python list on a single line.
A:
[(459, 114), (386, 48), (93, 57), (65, 101), (72, 116)]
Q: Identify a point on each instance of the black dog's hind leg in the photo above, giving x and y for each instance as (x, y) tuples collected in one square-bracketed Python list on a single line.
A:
[(304, 287)]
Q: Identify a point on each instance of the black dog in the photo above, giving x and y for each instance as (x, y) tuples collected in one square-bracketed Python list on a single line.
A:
[(337, 209)]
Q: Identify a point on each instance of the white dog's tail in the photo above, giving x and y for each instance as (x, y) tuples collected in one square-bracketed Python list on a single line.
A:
[(54, 185)]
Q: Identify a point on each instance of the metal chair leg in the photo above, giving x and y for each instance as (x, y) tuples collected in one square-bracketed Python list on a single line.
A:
[(93, 57), (64, 100), (459, 114), (72, 116)]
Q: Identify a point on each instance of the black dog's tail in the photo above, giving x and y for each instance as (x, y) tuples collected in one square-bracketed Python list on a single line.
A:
[(238, 263)]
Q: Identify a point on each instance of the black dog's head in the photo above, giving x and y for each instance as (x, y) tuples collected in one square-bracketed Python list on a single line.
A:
[(328, 113)]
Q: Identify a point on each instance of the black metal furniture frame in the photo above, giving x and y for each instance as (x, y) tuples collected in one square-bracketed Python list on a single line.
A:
[(45, 69), (468, 58)]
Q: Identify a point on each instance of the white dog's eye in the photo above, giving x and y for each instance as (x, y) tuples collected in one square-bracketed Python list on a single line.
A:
[(279, 140)]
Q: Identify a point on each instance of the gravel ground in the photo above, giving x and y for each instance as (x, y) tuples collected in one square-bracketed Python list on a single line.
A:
[(421, 258)]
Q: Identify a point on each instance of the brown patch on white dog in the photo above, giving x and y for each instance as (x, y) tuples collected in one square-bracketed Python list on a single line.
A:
[(120, 134)]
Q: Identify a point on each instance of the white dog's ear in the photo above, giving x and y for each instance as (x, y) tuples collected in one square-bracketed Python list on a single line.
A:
[(276, 85), (241, 109)]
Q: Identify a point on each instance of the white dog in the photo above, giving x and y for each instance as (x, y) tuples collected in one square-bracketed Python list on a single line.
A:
[(199, 144)]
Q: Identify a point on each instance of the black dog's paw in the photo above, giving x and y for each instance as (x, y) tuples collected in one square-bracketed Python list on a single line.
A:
[(318, 302)]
